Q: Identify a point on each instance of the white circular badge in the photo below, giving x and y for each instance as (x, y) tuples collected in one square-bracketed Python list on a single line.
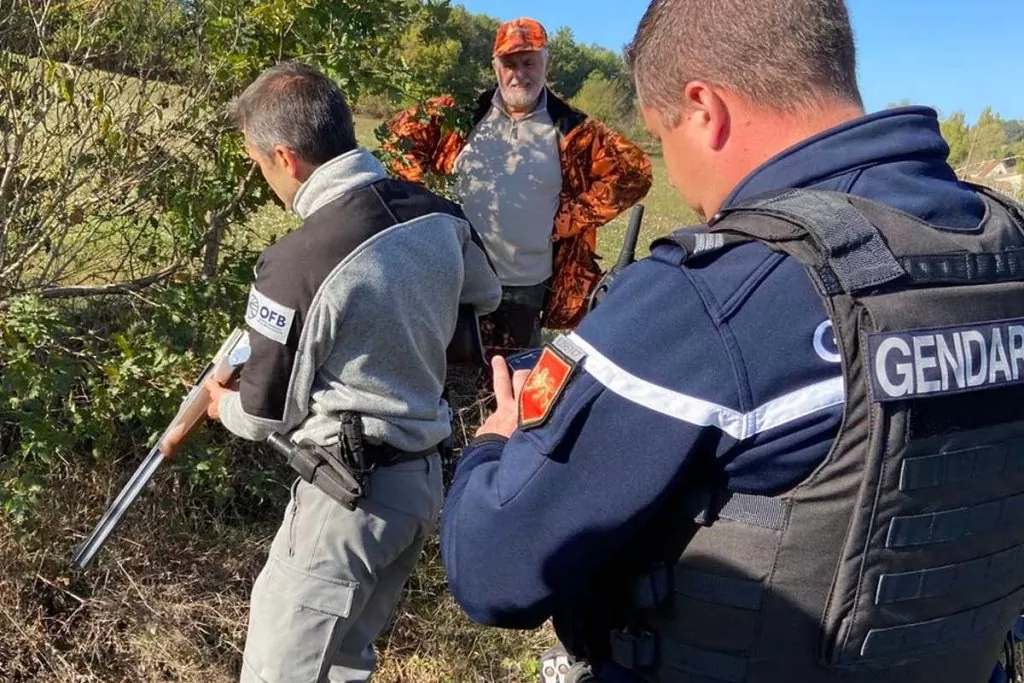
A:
[(825, 343)]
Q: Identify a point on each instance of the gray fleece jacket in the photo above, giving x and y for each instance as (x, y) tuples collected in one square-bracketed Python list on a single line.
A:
[(354, 310)]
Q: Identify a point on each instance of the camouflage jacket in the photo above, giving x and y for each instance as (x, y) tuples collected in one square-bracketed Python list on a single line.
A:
[(603, 174)]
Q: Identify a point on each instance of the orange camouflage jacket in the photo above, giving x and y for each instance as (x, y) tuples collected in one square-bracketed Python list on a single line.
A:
[(603, 174)]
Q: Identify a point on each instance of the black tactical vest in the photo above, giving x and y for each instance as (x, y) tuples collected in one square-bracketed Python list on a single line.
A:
[(901, 557)]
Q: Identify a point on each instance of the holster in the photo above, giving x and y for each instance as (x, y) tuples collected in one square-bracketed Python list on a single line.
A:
[(321, 468), (343, 470)]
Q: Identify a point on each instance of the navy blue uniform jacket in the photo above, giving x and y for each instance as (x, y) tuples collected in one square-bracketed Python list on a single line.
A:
[(728, 366)]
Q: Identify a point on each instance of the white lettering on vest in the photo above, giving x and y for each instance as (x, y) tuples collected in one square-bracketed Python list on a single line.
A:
[(902, 369), (1016, 349), (951, 361), (268, 317), (979, 360), (997, 362), (922, 362), (827, 351)]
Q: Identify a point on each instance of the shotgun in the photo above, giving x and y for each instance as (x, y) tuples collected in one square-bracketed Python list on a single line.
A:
[(626, 256), (224, 367)]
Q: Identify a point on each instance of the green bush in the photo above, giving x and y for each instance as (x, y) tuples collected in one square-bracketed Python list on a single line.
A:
[(100, 378), (607, 99)]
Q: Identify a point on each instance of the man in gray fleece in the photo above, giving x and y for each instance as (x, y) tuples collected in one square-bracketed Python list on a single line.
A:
[(349, 314)]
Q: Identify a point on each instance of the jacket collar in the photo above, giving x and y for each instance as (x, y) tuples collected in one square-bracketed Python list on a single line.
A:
[(563, 116), (893, 135), (340, 175), (498, 102)]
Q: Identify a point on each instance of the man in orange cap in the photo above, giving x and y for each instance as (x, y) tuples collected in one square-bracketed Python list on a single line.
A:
[(535, 177), (521, 63)]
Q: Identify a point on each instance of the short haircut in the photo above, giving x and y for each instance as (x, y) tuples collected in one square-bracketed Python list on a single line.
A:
[(781, 54), (294, 104)]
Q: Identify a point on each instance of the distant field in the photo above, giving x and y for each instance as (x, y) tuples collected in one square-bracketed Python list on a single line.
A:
[(663, 210)]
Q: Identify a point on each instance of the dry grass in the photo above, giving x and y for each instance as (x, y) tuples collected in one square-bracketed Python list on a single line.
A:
[(164, 601), (167, 597)]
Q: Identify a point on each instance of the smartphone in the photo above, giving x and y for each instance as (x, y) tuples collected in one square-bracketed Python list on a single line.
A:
[(524, 360)]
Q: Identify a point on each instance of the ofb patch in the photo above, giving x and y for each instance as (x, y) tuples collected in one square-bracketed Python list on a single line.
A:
[(269, 318), (547, 381)]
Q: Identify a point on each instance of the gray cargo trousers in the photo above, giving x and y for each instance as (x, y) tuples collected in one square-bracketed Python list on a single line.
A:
[(334, 575)]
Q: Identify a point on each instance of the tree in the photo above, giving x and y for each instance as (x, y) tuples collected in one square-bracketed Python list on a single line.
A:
[(606, 100), (987, 137), (476, 35), (572, 63), (431, 54), (446, 50), (1017, 151), (954, 130), (1014, 131), (109, 182)]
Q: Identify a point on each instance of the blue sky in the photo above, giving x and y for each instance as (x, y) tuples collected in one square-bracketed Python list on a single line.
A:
[(948, 54)]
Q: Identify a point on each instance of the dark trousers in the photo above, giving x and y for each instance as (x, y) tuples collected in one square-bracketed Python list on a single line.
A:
[(515, 325)]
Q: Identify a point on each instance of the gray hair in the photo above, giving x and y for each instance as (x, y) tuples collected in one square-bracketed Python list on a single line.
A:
[(783, 54), (295, 105)]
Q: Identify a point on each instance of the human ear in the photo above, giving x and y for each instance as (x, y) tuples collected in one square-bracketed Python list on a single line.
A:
[(287, 160), (707, 113)]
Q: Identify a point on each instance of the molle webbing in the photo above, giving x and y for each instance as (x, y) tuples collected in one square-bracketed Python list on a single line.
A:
[(901, 558)]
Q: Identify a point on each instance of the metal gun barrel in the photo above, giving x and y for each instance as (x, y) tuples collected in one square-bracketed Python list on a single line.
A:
[(223, 367), (626, 256), (84, 553), (628, 253)]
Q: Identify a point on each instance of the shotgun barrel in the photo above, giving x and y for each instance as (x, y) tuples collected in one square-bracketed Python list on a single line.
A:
[(224, 367), (626, 256)]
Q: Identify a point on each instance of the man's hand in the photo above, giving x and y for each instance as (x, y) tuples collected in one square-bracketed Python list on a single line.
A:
[(217, 392), (505, 419)]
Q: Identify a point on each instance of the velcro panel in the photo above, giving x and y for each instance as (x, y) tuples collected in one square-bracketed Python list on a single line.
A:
[(721, 590), (855, 250), (952, 525), (965, 268), (925, 636), (954, 467), (954, 578)]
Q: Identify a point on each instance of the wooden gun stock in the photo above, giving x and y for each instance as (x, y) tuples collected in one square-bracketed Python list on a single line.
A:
[(224, 370)]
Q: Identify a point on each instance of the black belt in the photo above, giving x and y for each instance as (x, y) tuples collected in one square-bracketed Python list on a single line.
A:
[(342, 470), (386, 455)]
